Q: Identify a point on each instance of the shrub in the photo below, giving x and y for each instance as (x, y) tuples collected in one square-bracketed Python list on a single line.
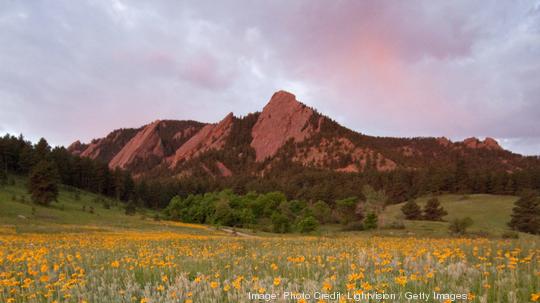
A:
[(355, 225), (130, 208), (308, 224), (321, 211), (510, 235), (280, 223), (398, 224), (459, 225)]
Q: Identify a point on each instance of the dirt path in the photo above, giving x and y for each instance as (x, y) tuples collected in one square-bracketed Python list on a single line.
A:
[(237, 233)]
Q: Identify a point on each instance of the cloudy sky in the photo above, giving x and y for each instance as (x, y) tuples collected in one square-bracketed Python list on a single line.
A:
[(79, 69)]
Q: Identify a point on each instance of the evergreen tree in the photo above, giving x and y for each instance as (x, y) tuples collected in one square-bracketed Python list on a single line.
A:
[(411, 210), (526, 213), (131, 207), (43, 185), (433, 211), (371, 221)]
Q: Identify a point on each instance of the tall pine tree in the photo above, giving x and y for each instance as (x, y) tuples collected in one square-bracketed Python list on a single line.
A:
[(526, 213), (433, 211), (43, 184), (411, 210)]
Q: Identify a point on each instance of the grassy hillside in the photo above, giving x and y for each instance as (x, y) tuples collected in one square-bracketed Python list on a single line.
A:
[(490, 213), (72, 213)]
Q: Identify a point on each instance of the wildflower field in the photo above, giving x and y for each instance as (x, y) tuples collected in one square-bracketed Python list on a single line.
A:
[(172, 267)]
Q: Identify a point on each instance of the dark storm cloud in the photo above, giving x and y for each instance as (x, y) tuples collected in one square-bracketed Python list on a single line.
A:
[(78, 69)]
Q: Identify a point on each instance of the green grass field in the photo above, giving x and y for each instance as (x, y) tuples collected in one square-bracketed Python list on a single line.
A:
[(68, 215), (490, 214)]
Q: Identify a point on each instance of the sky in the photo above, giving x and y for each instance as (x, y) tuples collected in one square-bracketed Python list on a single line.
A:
[(79, 69)]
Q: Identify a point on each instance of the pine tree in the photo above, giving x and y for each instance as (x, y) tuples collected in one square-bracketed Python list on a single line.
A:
[(411, 210), (43, 185), (433, 211), (526, 213), (371, 221), (3, 177)]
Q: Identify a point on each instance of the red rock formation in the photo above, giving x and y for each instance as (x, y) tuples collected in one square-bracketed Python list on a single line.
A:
[(444, 141), (146, 143), (93, 150), (488, 143), (223, 170), (76, 147), (282, 118), (472, 142), (491, 143), (212, 136)]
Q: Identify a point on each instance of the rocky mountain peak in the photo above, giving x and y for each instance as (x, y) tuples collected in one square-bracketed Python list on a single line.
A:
[(282, 118)]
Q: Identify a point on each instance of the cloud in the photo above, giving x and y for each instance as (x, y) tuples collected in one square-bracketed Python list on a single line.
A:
[(458, 68)]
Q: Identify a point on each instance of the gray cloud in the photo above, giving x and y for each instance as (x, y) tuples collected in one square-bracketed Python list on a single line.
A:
[(78, 69)]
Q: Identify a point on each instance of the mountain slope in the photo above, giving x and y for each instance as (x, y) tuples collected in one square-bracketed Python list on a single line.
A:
[(286, 131)]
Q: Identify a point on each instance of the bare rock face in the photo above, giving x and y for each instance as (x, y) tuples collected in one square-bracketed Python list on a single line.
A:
[(472, 142), (212, 136), (143, 145), (488, 143), (444, 141), (282, 118), (491, 143), (76, 148), (223, 170)]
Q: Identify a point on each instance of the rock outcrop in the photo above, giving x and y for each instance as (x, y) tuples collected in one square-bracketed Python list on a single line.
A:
[(76, 148), (212, 136), (488, 143), (173, 148), (145, 144), (282, 118)]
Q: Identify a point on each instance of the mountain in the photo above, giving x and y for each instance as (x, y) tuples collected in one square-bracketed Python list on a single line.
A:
[(285, 135)]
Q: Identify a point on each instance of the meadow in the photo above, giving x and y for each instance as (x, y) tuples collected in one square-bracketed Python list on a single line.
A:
[(173, 267), (62, 254)]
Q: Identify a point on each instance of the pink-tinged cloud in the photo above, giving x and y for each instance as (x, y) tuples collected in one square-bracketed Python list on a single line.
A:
[(456, 68)]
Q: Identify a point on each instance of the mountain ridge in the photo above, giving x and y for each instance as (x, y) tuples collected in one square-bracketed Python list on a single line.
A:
[(285, 130)]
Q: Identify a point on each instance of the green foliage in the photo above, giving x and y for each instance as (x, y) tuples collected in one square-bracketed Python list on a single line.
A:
[(411, 210), (321, 211), (130, 208), (3, 177), (510, 235), (371, 221), (375, 200), (433, 211), (280, 223), (347, 210), (307, 224), (43, 183), (459, 226), (526, 213)]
